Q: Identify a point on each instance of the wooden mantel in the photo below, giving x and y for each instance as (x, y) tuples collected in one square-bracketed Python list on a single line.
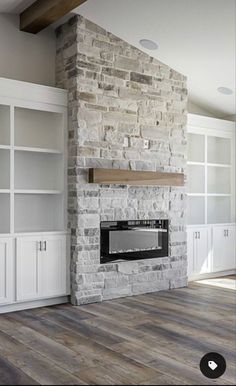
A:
[(131, 177)]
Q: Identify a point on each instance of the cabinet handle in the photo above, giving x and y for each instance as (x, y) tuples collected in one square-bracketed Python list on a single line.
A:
[(45, 245), (196, 235), (40, 246), (226, 233), (199, 235)]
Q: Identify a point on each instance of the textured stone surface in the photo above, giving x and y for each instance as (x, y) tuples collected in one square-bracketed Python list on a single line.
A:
[(126, 111)]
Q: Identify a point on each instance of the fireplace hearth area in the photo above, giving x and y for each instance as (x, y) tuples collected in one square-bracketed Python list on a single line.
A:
[(133, 240), (127, 111)]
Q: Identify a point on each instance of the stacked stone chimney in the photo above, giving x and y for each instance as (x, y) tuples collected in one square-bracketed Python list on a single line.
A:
[(126, 111)]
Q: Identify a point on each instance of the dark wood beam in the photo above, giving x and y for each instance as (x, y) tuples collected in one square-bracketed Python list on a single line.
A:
[(132, 177), (43, 13)]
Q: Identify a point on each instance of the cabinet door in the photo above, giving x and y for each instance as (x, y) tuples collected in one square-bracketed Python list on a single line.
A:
[(190, 251), (202, 250), (6, 271), (230, 246), (54, 266), (223, 248), (198, 251), (219, 245), (28, 268)]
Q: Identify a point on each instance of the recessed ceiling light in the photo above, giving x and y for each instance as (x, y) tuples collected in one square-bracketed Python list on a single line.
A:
[(225, 90), (148, 44)]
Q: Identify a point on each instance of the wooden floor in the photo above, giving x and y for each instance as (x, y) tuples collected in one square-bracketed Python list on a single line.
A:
[(155, 339)]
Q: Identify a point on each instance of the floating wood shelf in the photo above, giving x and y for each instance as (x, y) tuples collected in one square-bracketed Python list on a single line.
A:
[(131, 177)]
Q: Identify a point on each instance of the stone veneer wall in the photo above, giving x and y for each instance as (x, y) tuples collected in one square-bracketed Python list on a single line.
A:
[(126, 110)]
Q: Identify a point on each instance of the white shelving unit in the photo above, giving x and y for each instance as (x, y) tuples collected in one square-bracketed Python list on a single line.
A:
[(211, 167), (211, 192), (33, 170)]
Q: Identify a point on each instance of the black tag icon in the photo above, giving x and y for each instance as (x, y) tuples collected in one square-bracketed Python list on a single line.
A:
[(213, 365)]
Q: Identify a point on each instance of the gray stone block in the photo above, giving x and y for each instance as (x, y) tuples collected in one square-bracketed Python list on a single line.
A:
[(141, 78)]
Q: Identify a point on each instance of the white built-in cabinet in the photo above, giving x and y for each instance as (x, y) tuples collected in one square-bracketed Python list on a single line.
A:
[(41, 267), (211, 196), (33, 186)]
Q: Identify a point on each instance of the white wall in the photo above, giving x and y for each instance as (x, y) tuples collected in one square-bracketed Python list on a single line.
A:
[(24, 56), (199, 110)]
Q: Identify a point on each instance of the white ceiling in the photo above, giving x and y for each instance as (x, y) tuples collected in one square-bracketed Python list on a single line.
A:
[(14, 6), (196, 37)]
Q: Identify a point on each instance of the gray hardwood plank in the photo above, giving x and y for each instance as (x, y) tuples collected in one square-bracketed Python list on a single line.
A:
[(145, 340)]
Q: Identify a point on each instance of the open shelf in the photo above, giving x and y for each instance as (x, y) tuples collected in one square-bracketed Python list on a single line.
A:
[(219, 210), (38, 129), (38, 171), (218, 180), (196, 210), (4, 125), (196, 179), (25, 191), (4, 213), (218, 150), (32, 159), (37, 150), (196, 147), (209, 180), (4, 169), (5, 147), (3, 191), (38, 213)]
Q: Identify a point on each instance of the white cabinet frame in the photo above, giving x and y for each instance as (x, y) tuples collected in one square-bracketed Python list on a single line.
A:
[(18, 95), (15, 94)]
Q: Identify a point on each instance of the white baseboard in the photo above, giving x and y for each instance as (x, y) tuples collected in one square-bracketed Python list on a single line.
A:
[(35, 304), (211, 275)]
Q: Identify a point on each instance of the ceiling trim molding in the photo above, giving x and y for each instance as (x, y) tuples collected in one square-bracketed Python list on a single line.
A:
[(43, 13)]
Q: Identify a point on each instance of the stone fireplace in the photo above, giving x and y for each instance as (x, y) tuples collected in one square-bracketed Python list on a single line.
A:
[(126, 111)]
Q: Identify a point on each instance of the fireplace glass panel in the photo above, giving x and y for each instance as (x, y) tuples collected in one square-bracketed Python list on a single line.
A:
[(134, 240)]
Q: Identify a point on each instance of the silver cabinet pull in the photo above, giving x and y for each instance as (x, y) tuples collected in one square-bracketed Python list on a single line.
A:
[(45, 245), (196, 235), (226, 233), (199, 235), (39, 243)]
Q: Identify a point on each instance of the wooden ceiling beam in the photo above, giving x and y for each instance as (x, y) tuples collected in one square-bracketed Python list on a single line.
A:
[(43, 13)]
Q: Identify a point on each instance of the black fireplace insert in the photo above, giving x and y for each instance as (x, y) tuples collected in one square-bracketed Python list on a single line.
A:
[(134, 240)]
